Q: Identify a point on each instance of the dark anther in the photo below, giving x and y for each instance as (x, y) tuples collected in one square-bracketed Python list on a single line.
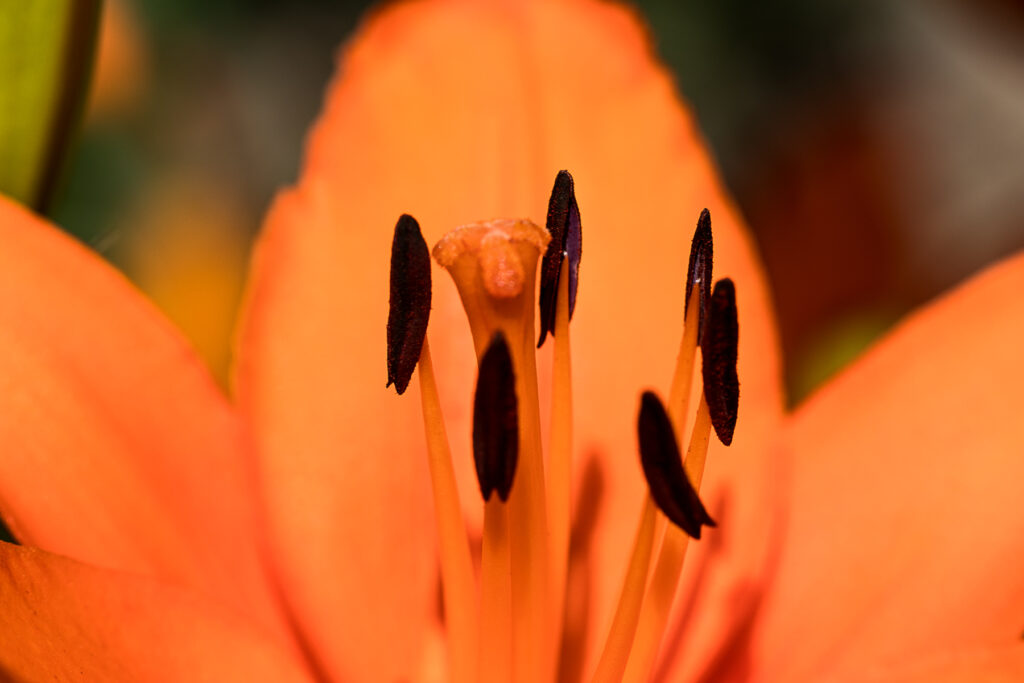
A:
[(410, 301), (670, 488), (566, 241), (718, 349), (699, 270), (496, 421)]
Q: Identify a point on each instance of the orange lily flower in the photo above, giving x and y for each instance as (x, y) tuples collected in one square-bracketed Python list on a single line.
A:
[(288, 534)]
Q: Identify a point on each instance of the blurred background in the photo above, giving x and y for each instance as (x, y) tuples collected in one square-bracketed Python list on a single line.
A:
[(876, 148)]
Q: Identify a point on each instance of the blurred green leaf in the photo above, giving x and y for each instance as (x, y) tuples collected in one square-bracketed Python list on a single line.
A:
[(46, 55), (835, 347)]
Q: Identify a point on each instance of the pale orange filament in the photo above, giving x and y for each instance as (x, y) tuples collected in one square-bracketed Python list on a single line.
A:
[(528, 530), (682, 378), (460, 602), (560, 453), (619, 642)]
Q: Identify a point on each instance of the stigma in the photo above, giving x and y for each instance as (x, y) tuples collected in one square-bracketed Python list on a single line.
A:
[(494, 265), (494, 255), (505, 613)]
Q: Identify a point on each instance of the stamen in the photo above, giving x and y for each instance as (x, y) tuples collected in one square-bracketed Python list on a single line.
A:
[(407, 325), (641, 616), (662, 588), (410, 301), (663, 469), (566, 242), (649, 531), (494, 267), (559, 281), (671, 491), (496, 421), (719, 350)]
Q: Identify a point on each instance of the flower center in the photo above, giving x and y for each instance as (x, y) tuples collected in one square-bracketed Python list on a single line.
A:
[(509, 628)]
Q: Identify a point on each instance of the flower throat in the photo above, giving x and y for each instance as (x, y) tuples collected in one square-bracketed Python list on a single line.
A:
[(505, 623)]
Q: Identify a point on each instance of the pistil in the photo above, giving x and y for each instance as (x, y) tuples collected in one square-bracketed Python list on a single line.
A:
[(495, 664), (494, 267)]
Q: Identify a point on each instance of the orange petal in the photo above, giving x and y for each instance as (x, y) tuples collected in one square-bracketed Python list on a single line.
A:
[(455, 112), (1003, 664), (62, 620), (118, 450), (906, 532)]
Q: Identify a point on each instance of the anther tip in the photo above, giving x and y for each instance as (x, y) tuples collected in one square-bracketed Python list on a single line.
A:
[(669, 486), (409, 305), (699, 269), (563, 222), (496, 421), (719, 350)]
